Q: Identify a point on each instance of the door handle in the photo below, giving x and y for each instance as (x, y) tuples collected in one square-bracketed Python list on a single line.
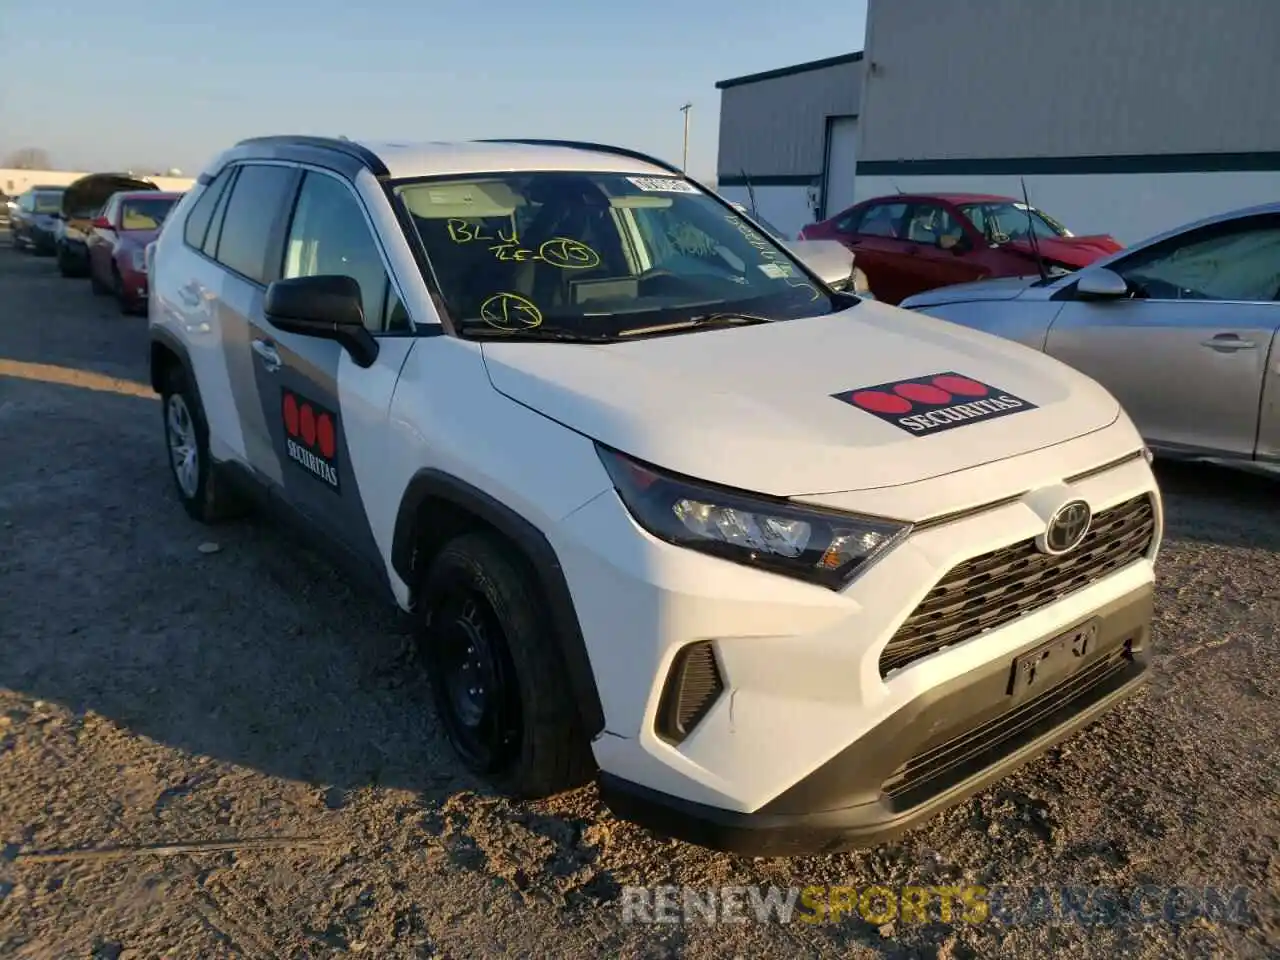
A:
[(267, 351), (1228, 342)]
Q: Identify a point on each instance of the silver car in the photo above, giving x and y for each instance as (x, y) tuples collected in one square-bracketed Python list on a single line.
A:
[(1181, 328)]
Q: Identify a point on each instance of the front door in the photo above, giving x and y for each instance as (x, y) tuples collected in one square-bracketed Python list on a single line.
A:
[(1187, 353), (937, 251), (327, 416)]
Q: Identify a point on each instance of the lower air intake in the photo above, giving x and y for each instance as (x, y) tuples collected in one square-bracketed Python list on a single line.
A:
[(692, 688)]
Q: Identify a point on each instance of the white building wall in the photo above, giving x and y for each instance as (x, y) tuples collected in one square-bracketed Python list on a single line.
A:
[(787, 208)]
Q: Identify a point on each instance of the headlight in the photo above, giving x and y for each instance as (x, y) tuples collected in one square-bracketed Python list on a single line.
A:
[(808, 543), (139, 260)]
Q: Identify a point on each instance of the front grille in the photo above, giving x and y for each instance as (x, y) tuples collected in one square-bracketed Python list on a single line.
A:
[(999, 587), (941, 767), (692, 688)]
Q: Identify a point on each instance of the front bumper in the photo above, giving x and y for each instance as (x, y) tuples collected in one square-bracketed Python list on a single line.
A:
[(937, 750)]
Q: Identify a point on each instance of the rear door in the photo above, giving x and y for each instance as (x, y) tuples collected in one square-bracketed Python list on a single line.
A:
[(1187, 354), (326, 417), (246, 227)]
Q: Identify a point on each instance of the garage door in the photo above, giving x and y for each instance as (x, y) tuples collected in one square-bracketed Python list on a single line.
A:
[(842, 158)]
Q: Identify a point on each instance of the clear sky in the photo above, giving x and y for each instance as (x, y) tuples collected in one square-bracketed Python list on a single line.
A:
[(103, 85)]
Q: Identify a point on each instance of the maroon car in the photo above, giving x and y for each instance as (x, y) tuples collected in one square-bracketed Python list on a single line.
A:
[(118, 241), (909, 243)]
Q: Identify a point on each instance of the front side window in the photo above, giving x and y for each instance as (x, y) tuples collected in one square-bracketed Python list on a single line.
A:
[(145, 213), (1235, 263), (1002, 221), (933, 225), (329, 236), (598, 254)]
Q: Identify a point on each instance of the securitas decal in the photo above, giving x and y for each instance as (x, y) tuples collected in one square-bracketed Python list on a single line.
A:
[(311, 437), (931, 404)]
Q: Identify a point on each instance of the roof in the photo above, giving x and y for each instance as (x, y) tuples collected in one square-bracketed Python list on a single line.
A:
[(433, 158), (790, 71), (148, 194)]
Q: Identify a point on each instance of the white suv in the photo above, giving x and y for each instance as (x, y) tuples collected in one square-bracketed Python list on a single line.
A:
[(793, 570)]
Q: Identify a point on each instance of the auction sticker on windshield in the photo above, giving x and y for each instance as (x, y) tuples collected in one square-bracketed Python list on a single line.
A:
[(933, 403), (662, 185)]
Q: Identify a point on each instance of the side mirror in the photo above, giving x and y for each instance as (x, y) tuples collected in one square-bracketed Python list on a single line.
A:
[(102, 223), (1101, 284), (329, 307)]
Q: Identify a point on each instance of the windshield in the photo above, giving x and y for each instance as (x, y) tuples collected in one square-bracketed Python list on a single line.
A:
[(1001, 222), (48, 201), (598, 254), (145, 213)]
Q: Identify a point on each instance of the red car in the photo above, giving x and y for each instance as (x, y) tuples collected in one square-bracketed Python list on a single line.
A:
[(118, 241), (909, 243)]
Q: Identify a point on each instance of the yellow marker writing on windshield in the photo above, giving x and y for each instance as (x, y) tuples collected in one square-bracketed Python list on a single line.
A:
[(510, 311)]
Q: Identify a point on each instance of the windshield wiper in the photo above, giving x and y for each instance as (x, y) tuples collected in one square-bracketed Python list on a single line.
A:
[(486, 332), (724, 319)]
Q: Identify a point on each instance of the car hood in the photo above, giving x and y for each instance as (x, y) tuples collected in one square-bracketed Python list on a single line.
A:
[(768, 408), (998, 288), (1071, 251)]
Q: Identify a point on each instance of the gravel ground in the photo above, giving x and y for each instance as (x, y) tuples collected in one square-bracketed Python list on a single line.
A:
[(229, 754)]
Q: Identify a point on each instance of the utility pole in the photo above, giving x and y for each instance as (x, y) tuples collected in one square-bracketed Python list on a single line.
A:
[(684, 162)]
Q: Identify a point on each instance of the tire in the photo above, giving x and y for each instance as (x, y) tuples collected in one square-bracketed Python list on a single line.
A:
[(64, 265), (484, 617), (203, 493)]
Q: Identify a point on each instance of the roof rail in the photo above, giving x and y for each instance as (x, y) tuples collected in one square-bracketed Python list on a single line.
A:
[(587, 145), (348, 147)]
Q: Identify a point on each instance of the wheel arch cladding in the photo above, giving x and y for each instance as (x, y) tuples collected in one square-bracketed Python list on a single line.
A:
[(166, 353), (437, 507)]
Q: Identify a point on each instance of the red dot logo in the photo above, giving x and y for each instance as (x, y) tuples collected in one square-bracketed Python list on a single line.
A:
[(962, 386), (877, 401), (291, 414), (307, 424), (325, 437), (922, 393)]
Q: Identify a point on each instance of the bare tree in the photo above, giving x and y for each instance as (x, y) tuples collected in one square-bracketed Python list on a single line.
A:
[(28, 158)]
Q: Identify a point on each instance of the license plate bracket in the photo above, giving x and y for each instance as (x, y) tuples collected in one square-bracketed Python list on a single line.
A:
[(1038, 668)]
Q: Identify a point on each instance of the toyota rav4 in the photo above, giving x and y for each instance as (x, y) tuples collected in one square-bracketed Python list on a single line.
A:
[(792, 570)]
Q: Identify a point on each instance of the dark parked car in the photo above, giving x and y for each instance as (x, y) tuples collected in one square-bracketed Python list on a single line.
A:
[(910, 243), (81, 203), (118, 242), (33, 218)]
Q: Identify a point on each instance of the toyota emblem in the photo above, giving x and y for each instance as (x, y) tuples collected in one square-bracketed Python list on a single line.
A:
[(1066, 528)]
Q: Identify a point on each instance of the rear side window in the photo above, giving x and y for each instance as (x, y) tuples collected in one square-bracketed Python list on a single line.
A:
[(201, 214), (252, 213)]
